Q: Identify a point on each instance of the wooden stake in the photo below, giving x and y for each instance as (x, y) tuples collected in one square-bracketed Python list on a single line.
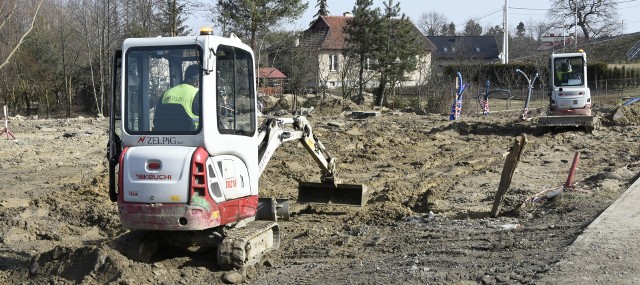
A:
[(509, 168), (6, 125)]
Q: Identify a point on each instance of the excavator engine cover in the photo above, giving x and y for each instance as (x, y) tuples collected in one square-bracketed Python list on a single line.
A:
[(328, 193)]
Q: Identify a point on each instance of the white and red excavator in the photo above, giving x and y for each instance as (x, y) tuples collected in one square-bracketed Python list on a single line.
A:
[(569, 96), (187, 173)]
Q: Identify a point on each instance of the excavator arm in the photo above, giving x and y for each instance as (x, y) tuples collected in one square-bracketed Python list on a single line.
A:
[(276, 131)]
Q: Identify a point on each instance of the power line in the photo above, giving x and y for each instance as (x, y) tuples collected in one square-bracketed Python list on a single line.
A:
[(620, 2), (530, 9), (480, 18), (629, 7), (526, 14)]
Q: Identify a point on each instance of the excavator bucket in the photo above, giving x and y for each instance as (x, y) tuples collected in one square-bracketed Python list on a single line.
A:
[(328, 193)]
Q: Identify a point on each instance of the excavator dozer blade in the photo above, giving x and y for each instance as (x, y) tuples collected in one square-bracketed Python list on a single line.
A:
[(328, 193), (588, 122)]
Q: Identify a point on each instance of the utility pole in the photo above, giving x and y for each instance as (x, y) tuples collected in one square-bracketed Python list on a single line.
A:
[(505, 36), (575, 27)]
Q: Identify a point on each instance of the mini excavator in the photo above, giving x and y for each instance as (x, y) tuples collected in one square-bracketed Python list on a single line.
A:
[(569, 97), (185, 171)]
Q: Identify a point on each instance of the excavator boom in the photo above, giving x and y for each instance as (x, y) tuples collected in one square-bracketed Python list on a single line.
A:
[(276, 131)]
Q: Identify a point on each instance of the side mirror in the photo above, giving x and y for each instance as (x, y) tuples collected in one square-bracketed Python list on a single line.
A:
[(209, 61)]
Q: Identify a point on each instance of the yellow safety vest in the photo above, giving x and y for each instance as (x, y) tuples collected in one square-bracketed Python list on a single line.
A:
[(182, 94), (560, 74)]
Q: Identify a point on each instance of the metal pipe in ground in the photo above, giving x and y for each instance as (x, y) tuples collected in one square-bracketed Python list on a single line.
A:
[(569, 183)]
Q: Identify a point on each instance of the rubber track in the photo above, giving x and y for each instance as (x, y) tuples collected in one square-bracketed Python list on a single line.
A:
[(232, 250)]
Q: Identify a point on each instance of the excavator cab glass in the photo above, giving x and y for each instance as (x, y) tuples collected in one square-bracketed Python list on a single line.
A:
[(235, 95), (568, 71), (159, 98)]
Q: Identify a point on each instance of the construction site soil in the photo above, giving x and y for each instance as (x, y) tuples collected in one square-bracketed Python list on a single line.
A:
[(431, 185)]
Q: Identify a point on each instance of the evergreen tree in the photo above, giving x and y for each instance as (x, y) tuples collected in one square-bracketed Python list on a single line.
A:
[(449, 30), (472, 28), (520, 30), (495, 31), (322, 8), (397, 50), (249, 18), (362, 34), (170, 18)]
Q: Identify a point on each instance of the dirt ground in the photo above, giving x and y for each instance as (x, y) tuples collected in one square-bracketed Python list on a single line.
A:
[(431, 183)]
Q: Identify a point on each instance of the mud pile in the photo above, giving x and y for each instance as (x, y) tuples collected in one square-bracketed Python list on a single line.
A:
[(627, 115), (327, 105)]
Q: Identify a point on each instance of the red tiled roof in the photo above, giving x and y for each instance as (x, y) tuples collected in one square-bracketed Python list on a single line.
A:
[(270, 73), (328, 31), (335, 38)]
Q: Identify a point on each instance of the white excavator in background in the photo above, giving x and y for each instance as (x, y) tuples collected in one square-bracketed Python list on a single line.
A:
[(569, 97), (187, 172)]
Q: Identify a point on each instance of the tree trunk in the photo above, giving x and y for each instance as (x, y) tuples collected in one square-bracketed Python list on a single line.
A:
[(361, 80), (69, 96), (46, 102), (381, 89)]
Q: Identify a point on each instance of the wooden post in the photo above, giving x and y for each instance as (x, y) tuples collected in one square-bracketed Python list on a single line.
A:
[(6, 125), (509, 168)]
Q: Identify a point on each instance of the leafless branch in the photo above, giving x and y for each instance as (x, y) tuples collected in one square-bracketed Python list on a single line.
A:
[(23, 36)]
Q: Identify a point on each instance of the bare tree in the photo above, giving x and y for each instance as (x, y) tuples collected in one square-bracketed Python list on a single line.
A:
[(350, 79), (137, 17), (431, 23), (593, 17), (537, 28), (10, 12), (96, 24)]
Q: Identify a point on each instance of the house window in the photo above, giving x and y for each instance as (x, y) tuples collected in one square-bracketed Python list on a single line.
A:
[(333, 62)]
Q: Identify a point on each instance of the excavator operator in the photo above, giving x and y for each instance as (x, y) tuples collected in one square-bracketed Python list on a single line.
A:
[(563, 73), (185, 93)]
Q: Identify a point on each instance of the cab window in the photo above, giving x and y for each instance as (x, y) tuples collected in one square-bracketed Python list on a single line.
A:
[(235, 94), (150, 72), (568, 71)]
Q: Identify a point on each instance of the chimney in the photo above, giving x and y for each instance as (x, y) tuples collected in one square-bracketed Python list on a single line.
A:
[(347, 14)]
